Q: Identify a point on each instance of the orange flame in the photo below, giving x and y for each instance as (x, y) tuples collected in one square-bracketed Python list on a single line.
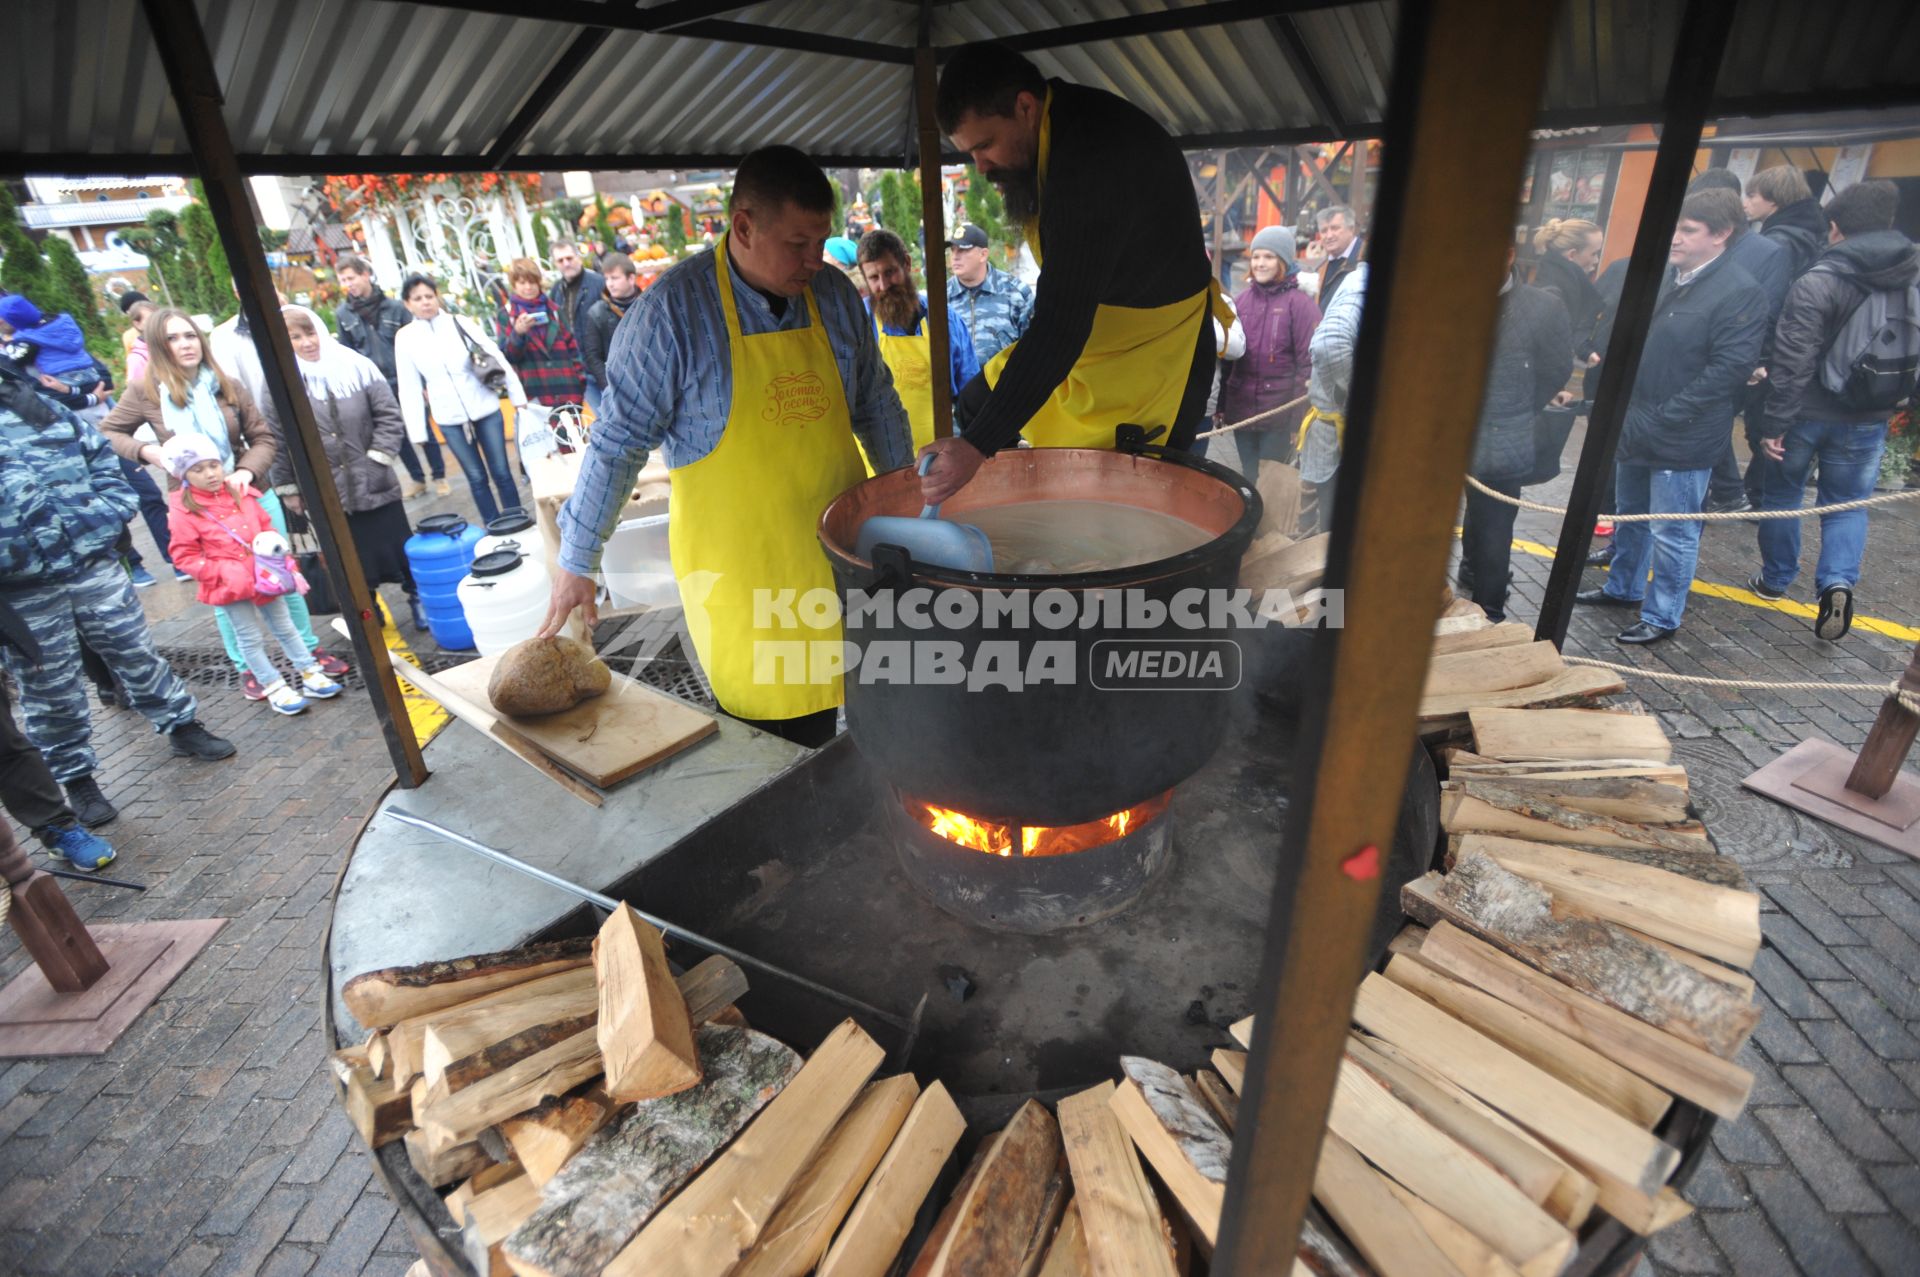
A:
[(1035, 840)]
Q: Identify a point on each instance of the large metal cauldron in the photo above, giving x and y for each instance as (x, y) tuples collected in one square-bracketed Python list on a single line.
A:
[(1048, 752)]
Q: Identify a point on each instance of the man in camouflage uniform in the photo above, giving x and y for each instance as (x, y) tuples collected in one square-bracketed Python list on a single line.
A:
[(63, 505), (996, 306)]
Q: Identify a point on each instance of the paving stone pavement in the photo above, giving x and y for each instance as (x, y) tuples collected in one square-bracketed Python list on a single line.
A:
[(207, 1141)]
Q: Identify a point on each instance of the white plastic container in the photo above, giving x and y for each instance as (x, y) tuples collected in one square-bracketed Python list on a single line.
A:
[(505, 598), (638, 564), (514, 530)]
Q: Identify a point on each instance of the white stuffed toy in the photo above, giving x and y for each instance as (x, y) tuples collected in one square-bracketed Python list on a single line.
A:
[(274, 571)]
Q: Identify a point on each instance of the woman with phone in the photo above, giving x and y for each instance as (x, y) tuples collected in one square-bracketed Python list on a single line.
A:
[(447, 364), (538, 345)]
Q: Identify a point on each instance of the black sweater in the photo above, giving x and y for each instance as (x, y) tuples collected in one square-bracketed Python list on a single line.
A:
[(1119, 226)]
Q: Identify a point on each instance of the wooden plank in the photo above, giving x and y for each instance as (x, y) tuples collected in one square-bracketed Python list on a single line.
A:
[(384, 997), (1381, 1229), (1535, 1170), (1495, 669), (1219, 1097), (1067, 1255), (1688, 1071), (604, 1194), (1575, 683), (378, 1108), (645, 1038), (1468, 1253), (1523, 734), (1553, 1052), (1719, 922), (997, 1217), (1468, 807), (1178, 1137), (1118, 1210), (545, 1136), (1233, 1067), (606, 738), (1593, 1135), (797, 1236), (882, 1217), (480, 717), (555, 1071), (1405, 1146), (1595, 957), (1505, 634), (719, 1216)]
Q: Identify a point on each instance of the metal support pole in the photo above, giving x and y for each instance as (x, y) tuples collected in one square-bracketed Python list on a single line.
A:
[(933, 228), (1461, 68), (196, 93), (1696, 65)]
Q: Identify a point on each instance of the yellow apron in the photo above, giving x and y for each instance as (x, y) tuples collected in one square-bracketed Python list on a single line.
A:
[(910, 360), (1135, 363), (743, 518), (1338, 420)]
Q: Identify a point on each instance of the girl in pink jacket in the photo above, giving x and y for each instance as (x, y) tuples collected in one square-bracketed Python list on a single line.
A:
[(213, 525)]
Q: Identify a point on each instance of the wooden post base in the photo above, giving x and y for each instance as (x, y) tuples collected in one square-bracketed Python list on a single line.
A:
[(1812, 777), (142, 960), (52, 932)]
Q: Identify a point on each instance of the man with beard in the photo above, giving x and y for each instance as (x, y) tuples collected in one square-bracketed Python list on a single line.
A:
[(1121, 330), (899, 313)]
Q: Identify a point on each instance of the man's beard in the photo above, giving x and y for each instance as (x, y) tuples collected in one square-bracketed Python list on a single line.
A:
[(1020, 190), (898, 307)]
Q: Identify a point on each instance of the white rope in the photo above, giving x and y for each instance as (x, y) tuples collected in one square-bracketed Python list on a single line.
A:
[(1730, 517), (1905, 699), (1254, 420)]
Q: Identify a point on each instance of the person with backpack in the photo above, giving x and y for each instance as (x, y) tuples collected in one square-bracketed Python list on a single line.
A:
[(1845, 353)]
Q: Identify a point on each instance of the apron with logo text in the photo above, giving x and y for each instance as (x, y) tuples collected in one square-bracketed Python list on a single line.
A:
[(743, 518)]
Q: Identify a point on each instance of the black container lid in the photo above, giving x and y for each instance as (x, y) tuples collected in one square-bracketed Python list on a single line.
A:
[(496, 563), (442, 525), (510, 522)]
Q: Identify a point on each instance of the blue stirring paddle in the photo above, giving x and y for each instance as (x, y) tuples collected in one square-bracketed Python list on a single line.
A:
[(928, 539)]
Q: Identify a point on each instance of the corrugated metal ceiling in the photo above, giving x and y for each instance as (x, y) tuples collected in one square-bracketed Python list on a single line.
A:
[(391, 80)]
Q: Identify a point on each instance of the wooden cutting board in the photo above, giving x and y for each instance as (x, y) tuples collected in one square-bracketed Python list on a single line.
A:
[(606, 739)]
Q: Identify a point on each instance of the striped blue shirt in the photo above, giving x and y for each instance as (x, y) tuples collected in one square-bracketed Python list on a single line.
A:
[(670, 384)]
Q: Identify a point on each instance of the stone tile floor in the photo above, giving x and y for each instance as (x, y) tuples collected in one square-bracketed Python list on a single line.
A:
[(208, 1140)]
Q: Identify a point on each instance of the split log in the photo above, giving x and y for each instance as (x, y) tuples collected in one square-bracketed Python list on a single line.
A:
[(376, 1053), (1738, 981), (502, 1012), (450, 1068), (1178, 1137), (1634, 799), (1493, 669), (609, 1189), (1688, 1071), (491, 1216), (1516, 735), (1405, 1146), (1381, 1229), (379, 1110), (1233, 1067), (1117, 1208), (1709, 867), (1718, 922), (485, 1178), (1067, 1255), (555, 1070), (1553, 1052), (710, 987), (1505, 634), (1295, 568), (1053, 1206), (1219, 1098), (1468, 1253), (1596, 1139), (943, 1225), (549, 1133), (1535, 1170), (387, 996), (797, 1236), (1242, 1032), (1483, 807), (878, 1225), (717, 1218), (1477, 765), (1594, 957), (347, 1058), (645, 1038), (1572, 685), (441, 1163), (998, 1217)]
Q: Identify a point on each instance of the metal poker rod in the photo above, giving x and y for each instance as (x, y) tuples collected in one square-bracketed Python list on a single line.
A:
[(609, 904)]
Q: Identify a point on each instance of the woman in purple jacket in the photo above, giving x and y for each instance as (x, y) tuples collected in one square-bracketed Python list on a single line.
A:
[(1279, 319)]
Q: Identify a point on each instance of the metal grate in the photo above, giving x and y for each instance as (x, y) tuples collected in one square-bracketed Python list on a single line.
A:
[(210, 667), (668, 670)]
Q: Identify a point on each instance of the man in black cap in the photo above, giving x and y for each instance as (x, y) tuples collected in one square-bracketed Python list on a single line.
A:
[(996, 306)]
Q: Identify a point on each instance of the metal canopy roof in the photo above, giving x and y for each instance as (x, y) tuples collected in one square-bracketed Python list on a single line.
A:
[(351, 85)]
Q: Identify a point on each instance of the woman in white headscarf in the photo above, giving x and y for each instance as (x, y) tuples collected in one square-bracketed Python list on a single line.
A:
[(361, 426)]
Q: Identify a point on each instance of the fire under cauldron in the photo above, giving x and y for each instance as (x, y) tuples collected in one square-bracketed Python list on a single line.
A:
[(1029, 804)]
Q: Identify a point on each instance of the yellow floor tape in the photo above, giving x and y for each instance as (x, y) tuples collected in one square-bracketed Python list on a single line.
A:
[(1736, 594), (423, 712)]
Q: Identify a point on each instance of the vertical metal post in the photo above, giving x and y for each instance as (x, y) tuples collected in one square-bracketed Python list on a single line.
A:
[(933, 224), (196, 94), (1690, 80), (1220, 218), (1462, 68)]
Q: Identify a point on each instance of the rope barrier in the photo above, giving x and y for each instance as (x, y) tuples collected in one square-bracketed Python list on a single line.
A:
[(1254, 420), (1731, 517), (1905, 699)]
